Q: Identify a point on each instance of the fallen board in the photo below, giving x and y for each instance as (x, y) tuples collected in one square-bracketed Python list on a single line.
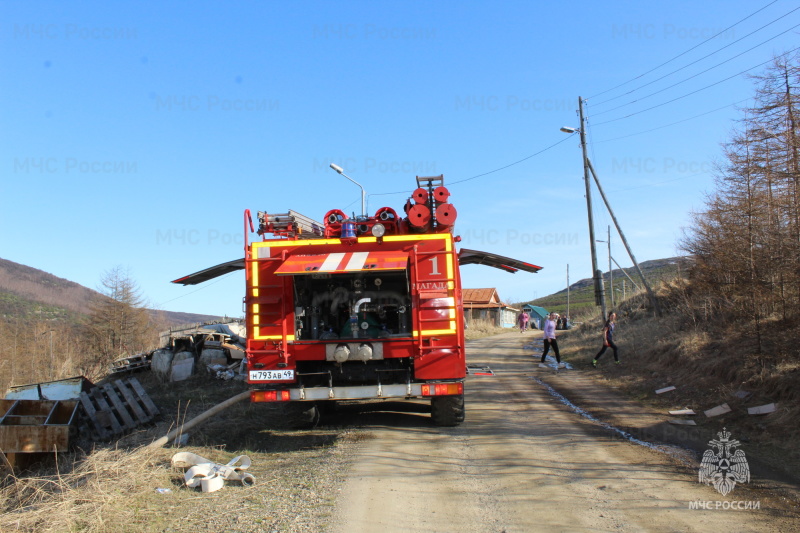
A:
[(718, 410), (762, 409)]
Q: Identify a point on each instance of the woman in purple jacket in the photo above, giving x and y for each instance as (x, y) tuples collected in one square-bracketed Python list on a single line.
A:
[(550, 337)]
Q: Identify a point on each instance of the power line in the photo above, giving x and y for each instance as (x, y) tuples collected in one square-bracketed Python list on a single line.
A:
[(694, 92), (205, 286), (702, 58), (489, 172), (671, 123), (514, 163), (658, 183), (683, 53)]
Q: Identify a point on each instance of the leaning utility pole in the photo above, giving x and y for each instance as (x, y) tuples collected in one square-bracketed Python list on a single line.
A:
[(567, 292), (597, 275), (625, 241), (610, 271)]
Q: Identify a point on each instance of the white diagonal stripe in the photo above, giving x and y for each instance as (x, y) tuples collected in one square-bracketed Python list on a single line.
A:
[(331, 262), (357, 261)]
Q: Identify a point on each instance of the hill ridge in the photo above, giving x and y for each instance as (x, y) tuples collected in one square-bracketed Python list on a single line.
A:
[(28, 291)]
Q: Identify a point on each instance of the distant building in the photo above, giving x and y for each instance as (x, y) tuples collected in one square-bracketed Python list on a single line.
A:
[(485, 304), (537, 314)]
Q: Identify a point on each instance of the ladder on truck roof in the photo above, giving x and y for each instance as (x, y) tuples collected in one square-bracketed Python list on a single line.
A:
[(291, 224)]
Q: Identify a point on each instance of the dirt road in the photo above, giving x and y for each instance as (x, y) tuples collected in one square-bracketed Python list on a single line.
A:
[(523, 461)]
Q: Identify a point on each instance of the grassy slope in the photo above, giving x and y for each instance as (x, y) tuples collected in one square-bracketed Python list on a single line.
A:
[(707, 363), (28, 293), (581, 293)]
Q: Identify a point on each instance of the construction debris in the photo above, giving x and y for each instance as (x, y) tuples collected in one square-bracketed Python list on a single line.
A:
[(682, 412), (718, 410), (115, 409), (131, 363), (33, 426), (762, 409), (679, 422), (188, 348), (62, 389), (665, 389)]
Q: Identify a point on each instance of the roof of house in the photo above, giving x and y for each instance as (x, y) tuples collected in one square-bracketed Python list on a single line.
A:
[(480, 296), (483, 298), (539, 311)]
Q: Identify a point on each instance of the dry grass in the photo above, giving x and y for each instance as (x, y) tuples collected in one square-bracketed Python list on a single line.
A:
[(707, 361), (105, 491), (479, 329)]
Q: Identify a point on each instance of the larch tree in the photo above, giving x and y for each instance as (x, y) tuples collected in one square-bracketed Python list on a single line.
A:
[(118, 322)]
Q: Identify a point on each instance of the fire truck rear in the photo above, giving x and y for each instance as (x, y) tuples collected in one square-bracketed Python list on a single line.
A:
[(355, 308)]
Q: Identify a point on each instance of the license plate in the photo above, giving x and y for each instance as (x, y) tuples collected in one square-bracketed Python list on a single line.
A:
[(271, 375)]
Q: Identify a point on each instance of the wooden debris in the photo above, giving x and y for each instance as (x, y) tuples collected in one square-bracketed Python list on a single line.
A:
[(115, 409), (682, 412), (665, 389), (129, 364), (718, 410), (762, 409)]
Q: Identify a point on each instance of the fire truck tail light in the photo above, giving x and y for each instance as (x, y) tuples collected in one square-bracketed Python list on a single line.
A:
[(269, 396), (442, 389)]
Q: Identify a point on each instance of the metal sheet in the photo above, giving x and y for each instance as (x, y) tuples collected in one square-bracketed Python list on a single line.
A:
[(339, 263), (63, 389), (211, 273), (476, 257)]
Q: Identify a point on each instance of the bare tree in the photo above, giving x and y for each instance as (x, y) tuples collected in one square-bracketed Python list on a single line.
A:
[(746, 241), (118, 322)]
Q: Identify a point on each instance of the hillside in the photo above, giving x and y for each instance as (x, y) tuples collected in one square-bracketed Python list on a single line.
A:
[(581, 293), (27, 292)]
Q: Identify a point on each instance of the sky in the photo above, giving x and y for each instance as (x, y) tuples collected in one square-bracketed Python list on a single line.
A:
[(135, 135)]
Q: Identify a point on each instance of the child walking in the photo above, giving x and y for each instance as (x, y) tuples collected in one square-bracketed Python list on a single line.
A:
[(608, 339)]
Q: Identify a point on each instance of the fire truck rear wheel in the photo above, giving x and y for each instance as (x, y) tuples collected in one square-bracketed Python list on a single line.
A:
[(301, 415), (447, 410)]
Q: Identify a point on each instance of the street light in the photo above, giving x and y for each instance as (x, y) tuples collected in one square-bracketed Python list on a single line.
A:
[(597, 275), (338, 169)]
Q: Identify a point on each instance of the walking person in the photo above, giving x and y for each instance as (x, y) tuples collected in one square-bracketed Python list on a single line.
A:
[(523, 321), (550, 339), (608, 339)]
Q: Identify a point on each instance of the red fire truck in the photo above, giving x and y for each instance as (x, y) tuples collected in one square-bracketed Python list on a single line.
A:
[(363, 307)]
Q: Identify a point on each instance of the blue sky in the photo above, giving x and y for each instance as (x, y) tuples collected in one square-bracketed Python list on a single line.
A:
[(136, 135)]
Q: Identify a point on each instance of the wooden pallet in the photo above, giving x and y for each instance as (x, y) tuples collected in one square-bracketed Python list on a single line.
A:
[(115, 408)]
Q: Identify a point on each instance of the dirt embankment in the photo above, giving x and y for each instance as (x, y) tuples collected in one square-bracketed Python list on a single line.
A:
[(707, 369)]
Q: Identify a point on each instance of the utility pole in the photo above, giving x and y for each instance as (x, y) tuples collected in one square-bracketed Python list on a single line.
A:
[(597, 275), (650, 293), (567, 317), (610, 272)]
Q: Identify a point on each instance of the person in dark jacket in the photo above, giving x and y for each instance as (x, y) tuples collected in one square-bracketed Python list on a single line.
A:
[(608, 339)]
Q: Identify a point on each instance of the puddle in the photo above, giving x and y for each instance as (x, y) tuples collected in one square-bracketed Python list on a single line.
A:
[(550, 362)]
